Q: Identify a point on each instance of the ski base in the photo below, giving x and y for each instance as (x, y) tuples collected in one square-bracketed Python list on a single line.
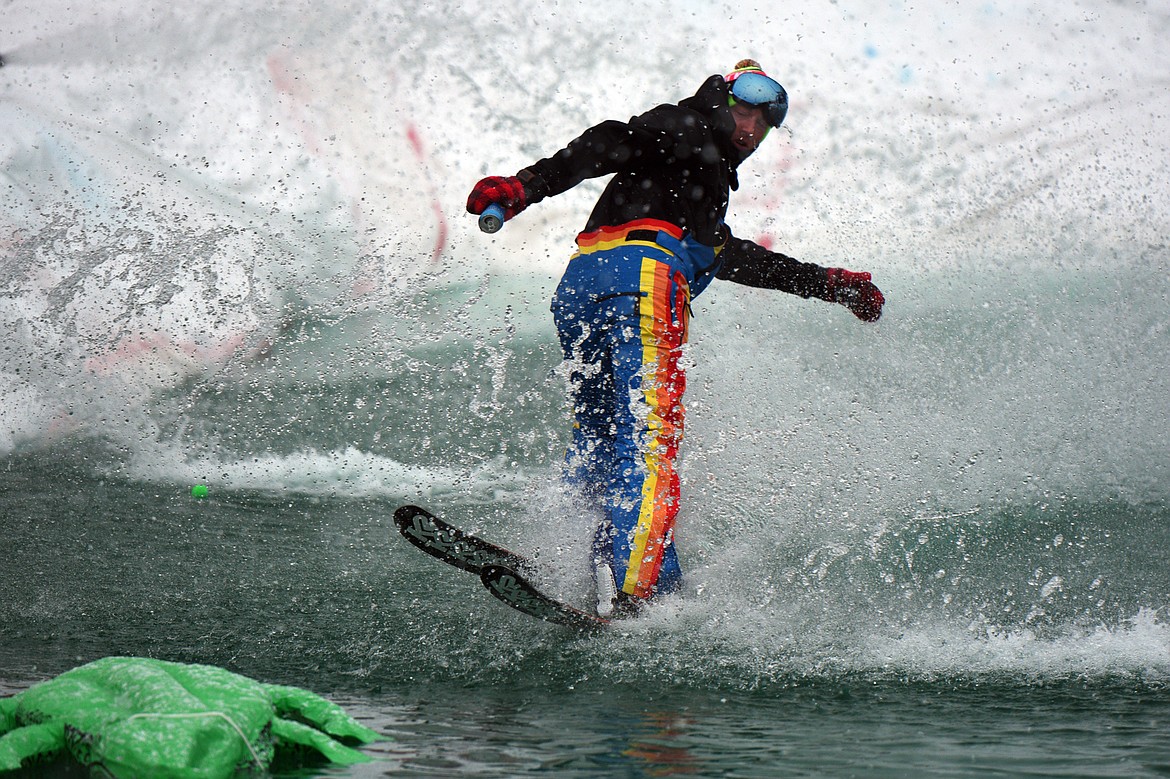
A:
[(452, 545), (515, 590), (503, 573)]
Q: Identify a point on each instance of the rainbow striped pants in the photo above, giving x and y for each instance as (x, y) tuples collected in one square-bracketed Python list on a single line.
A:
[(621, 311)]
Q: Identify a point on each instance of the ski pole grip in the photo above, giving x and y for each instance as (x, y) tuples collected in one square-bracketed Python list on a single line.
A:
[(492, 218)]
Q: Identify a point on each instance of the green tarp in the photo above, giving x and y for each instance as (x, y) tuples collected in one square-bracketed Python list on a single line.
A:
[(136, 717)]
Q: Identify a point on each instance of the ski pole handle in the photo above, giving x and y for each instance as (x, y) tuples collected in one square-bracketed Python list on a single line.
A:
[(492, 218)]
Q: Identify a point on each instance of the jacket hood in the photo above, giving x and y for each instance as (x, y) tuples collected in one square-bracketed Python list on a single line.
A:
[(711, 101)]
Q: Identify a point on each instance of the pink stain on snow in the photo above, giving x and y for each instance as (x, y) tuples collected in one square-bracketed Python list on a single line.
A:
[(158, 360), (288, 80), (416, 146), (415, 141), (773, 200)]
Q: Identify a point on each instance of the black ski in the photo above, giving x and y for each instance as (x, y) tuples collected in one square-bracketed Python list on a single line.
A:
[(502, 572), (512, 588), (452, 545)]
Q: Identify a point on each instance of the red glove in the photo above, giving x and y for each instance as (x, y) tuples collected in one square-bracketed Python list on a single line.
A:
[(508, 192), (856, 292)]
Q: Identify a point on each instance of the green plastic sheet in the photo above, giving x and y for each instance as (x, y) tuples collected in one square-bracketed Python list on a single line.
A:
[(135, 717)]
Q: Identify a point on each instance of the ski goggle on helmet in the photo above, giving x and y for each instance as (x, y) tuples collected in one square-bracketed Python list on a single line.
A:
[(749, 84)]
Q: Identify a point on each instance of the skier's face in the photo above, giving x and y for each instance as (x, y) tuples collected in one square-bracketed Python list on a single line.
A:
[(750, 127)]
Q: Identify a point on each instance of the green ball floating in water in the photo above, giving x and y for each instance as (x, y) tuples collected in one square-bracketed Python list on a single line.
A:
[(199, 491)]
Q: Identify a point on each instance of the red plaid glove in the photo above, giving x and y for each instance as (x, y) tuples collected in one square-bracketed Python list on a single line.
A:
[(507, 192), (856, 292)]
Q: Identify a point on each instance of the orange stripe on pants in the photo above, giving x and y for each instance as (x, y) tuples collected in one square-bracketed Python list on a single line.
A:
[(663, 322)]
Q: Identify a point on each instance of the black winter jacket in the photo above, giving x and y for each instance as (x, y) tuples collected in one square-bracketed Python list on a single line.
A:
[(675, 163)]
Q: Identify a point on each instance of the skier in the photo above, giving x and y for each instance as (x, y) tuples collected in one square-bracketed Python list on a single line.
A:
[(654, 241)]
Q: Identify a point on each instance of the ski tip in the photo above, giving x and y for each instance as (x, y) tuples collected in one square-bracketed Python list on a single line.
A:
[(453, 546), (404, 514)]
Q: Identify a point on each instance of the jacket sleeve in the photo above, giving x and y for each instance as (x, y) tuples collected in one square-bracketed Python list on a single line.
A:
[(748, 263), (613, 146)]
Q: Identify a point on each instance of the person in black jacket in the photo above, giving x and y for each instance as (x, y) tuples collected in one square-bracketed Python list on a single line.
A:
[(654, 241)]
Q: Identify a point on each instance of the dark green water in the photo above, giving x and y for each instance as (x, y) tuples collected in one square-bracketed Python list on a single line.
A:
[(316, 592)]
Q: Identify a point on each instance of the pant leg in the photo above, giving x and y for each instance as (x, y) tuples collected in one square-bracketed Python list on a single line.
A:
[(589, 457), (648, 419), (589, 460), (626, 392)]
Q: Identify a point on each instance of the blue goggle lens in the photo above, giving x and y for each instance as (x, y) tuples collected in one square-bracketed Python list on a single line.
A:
[(759, 90)]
